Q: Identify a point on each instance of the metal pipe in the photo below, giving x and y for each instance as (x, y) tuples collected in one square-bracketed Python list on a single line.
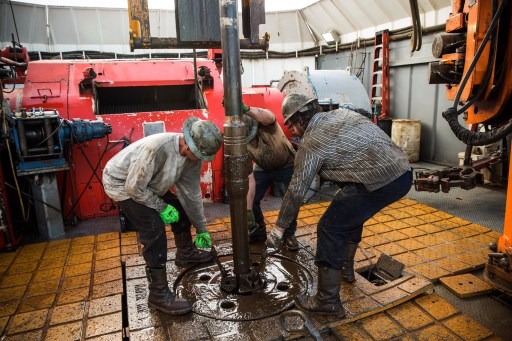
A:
[(236, 158), (173, 43)]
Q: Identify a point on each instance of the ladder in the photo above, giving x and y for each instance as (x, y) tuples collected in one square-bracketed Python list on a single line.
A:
[(379, 95)]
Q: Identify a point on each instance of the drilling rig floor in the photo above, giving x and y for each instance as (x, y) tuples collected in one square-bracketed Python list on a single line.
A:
[(91, 284)]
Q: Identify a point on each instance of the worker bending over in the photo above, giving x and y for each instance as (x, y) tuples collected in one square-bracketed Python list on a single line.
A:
[(273, 157), (346, 148), (139, 178)]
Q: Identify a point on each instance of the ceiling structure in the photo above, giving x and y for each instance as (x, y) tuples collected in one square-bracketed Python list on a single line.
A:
[(68, 25)]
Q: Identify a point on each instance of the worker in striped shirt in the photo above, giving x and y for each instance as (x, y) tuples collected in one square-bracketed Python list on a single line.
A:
[(346, 148)]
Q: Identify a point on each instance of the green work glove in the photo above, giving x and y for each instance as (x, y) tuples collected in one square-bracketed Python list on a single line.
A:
[(251, 220), (245, 108), (204, 240), (169, 214)]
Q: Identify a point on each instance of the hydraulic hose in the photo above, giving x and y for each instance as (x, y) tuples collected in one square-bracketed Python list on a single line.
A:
[(478, 53), (474, 138), (451, 114)]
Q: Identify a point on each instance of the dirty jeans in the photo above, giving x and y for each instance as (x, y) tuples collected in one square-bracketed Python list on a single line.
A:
[(151, 228), (343, 220), (265, 178)]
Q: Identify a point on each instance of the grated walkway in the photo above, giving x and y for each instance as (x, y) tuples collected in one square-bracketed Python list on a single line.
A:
[(76, 288)]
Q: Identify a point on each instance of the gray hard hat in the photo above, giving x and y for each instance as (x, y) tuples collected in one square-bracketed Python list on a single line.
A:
[(294, 103), (202, 137), (251, 128)]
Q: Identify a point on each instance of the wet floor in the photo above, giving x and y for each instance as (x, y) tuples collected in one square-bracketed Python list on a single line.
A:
[(94, 287)]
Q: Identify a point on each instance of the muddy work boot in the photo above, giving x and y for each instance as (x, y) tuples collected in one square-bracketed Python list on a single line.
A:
[(291, 243), (327, 300), (347, 265), (161, 297), (257, 234), (186, 252)]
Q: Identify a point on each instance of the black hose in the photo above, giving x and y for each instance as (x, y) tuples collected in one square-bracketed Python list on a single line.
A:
[(418, 26), (451, 115), (474, 138), (414, 25)]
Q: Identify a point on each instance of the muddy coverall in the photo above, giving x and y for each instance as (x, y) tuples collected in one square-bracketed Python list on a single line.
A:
[(139, 177), (273, 157)]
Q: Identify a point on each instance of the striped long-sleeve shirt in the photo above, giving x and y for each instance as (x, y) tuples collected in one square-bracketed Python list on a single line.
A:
[(344, 147)]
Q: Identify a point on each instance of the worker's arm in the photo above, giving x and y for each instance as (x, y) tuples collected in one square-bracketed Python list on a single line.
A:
[(188, 191), (260, 115), (307, 164), (251, 192), (139, 175)]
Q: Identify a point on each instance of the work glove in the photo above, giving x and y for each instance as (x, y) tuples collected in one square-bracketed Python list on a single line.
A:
[(274, 241), (169, 214), (251, 220), (245, 108), (204, 240)]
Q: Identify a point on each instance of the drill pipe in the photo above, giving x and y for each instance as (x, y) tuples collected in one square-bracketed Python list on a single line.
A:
[(236, 158)]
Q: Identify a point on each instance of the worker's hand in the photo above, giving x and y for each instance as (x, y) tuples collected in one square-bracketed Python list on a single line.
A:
[(245, 108), (169, 214), (274, 241), (204, 240), (251, 220)]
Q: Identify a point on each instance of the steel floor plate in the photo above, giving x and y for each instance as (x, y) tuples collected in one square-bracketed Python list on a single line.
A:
[(89, 286)]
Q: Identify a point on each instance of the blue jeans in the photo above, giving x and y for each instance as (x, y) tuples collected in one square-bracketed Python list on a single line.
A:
[(343, 220), (263, 181)]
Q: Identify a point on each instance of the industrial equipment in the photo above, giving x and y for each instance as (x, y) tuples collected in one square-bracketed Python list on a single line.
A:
[(332, 88), (476, 58), (40, 138), (135, 97), (197, 26)]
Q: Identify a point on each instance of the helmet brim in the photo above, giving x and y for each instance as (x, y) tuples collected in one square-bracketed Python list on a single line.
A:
[(294, 103), (187, 126)]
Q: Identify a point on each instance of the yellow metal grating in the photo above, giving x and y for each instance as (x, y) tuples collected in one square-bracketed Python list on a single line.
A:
[(71, 288), (65, 289)]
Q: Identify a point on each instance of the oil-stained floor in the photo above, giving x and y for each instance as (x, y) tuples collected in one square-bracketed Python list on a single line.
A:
[(93, 287)]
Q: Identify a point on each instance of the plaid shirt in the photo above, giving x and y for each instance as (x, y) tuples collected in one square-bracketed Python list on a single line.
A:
[(342, 146)]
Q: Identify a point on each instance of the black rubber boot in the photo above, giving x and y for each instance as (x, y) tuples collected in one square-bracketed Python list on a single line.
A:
[(186, 252), (257, 234), (291, 243), (161, 298), (327, 300), (347, 265)]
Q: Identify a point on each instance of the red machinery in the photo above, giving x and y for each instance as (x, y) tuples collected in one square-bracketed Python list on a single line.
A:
[(136, 97)]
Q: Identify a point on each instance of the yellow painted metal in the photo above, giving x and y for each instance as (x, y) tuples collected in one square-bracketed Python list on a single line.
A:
[(56, 288)]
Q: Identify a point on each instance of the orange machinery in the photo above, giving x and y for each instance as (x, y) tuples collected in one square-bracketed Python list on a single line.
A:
[(475, 64)]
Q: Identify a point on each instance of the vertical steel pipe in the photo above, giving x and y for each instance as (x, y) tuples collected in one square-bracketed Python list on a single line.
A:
[(236, 158)]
